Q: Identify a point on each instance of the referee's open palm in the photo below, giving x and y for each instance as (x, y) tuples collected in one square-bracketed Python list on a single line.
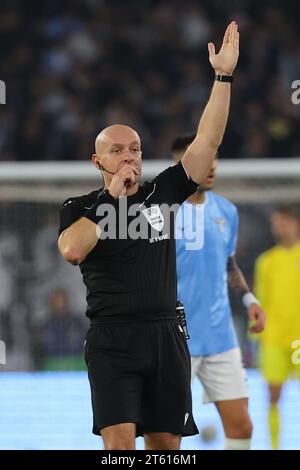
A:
[(225, 61)]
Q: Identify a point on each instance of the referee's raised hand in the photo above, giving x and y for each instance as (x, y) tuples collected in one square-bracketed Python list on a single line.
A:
[(225, 61)]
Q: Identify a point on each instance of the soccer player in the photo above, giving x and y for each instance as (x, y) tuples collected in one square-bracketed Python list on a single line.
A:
[(203, 274), (136, 354), (277, 286)]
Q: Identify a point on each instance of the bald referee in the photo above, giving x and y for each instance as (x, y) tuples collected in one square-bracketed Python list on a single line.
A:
[(122, 237)]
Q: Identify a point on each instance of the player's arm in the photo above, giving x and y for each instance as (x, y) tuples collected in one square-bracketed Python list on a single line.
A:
[(76, 242), (237, 281), (200, 153)]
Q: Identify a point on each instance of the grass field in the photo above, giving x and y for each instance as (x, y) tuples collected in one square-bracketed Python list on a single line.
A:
[(52, 411)]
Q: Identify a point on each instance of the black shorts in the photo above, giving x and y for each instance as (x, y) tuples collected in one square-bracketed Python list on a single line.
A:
[(140, 373)]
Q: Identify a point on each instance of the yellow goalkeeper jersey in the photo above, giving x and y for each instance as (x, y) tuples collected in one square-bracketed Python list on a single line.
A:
[(277, 286)]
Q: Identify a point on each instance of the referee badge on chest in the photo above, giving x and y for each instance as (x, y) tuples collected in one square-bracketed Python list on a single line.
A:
[(154, 217)]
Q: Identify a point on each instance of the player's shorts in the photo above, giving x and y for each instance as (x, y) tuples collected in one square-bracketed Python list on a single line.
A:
[(276, 364), (140, 373), (222, 375)]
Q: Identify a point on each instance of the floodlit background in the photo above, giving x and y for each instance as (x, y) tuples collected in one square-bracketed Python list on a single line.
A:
[(72, 67)]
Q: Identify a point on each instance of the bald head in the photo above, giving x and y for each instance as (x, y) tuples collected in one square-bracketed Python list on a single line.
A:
[(118, 133), (118, 146)]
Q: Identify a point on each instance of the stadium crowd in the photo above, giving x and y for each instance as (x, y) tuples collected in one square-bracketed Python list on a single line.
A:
[(72, 67)]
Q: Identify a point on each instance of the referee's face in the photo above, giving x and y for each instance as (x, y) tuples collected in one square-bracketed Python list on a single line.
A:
[(119, 146)]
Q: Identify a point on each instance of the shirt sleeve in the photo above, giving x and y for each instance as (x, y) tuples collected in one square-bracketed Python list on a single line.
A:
[(70, 211), (174, 184), (234, 233)]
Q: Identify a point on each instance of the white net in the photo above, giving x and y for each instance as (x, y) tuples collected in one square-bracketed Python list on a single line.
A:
[(37, 285)]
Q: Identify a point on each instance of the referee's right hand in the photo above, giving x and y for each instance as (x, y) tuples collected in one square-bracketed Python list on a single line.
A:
[(126, 176)]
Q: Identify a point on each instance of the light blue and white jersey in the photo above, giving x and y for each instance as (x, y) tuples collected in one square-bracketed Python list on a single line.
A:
[(202, 272)]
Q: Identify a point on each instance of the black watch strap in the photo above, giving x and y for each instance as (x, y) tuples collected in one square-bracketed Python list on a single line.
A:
[(224, 78)]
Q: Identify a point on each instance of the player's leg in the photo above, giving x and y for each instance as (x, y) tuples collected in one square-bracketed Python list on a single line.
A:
[(236, 423), (274, 416), (275, 392), (114, 371), (162, 441), (153, 441), (195, 366), (119, 436), (275, 366), (224, 380), (280, 373), (167, 400)]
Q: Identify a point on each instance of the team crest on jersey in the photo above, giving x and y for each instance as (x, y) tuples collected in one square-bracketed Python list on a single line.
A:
[(221, 223), (154, 217)]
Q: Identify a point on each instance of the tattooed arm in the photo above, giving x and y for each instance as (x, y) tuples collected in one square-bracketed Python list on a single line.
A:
[(236, 278), (237, 281)]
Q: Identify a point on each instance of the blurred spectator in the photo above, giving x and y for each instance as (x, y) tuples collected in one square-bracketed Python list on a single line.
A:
[(72, 67), (59, 341), (9, 255)]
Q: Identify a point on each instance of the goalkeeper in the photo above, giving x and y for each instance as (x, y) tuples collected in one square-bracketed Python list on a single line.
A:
[(277, 282)]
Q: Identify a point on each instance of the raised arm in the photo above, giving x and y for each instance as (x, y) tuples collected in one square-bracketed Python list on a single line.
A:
[(199, 155)]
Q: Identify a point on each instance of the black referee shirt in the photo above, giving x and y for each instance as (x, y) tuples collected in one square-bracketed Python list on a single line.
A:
[(129, 279)]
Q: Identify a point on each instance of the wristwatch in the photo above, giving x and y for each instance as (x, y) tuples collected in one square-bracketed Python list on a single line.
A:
[(224, 78)]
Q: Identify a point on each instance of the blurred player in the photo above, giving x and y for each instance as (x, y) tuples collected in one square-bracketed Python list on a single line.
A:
[(277, 285), (203, 275)]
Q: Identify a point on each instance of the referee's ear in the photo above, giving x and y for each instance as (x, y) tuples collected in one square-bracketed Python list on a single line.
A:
[(95, 160)]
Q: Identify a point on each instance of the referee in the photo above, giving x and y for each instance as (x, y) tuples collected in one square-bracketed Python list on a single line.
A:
[(122, 237)]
